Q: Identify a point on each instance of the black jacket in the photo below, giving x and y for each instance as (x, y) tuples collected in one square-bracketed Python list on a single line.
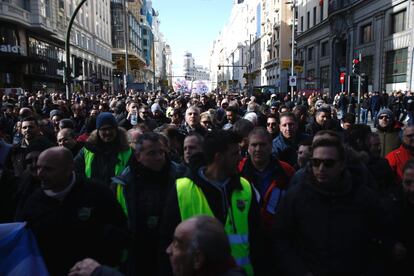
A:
[(146, 193), (88, 222), (329, 233), (172, 218)]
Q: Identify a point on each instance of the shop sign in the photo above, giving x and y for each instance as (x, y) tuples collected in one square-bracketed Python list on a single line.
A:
[(10, 49)]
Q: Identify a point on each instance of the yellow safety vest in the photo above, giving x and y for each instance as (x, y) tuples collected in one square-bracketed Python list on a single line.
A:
[(123, 158), (192, 202)]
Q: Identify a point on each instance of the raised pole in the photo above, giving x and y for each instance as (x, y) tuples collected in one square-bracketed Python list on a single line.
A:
[(67, 50)]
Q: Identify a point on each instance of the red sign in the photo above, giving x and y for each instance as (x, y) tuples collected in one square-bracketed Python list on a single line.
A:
[(342, 78)]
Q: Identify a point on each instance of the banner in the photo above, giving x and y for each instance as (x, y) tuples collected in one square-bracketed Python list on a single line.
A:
[(187, 86), (19, 253)]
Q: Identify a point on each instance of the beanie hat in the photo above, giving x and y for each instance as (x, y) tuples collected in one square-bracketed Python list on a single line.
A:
[(105, 118), (387, 112), (55, 112)]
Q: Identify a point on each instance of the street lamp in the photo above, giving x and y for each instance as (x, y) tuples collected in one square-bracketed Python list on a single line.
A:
[(67, 70), (292, 66)]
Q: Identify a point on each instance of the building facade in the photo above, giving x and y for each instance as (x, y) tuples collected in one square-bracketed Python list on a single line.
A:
[(32, 44), (333, 33)]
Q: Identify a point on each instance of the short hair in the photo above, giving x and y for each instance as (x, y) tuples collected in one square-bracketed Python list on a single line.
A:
[(330, 142), (327, 132), (206, 114), (218, 141), (325, 109), (232, 109), (193, 107), (147, 136), (243, 127), (288, 114), (29, 119), (261, 131), (198, 136), (348, 118), (69, 131), (211, 240)]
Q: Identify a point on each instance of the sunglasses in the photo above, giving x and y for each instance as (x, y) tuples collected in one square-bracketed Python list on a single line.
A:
[(383, 117), (328, 163)]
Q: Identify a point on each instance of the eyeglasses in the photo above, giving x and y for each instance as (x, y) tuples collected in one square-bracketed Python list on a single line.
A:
[(383, 118), (206, 122), (271, 124), (328, 163)]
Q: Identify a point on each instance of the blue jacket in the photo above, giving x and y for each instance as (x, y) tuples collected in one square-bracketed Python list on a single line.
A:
[(286, 150)]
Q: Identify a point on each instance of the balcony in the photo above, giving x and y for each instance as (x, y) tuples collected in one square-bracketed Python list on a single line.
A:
[(14, 13), (271, 63)]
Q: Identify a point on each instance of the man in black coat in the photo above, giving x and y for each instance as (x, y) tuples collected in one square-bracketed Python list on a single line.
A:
[(331, 223), (143, 188), (73, 218)]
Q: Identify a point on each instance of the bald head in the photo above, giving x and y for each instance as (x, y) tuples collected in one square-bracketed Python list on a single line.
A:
[(55, 168)]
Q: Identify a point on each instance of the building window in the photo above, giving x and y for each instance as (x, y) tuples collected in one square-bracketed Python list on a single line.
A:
[(324, 49), (310, 54), (367, 65), (321, 12), (314, 16), (308, 21), (398, 21), (396, 66), (324, 77), (366, 34), (301, 23)]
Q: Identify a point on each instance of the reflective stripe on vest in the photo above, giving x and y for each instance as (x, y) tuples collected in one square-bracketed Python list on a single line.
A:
[(120, 196), (192, 202), (123, 158)]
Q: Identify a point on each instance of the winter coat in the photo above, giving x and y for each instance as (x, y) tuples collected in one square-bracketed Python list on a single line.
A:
[(106, 156), (329, 233), (145, 193), (88, 222), (397, 159), (389, 137)]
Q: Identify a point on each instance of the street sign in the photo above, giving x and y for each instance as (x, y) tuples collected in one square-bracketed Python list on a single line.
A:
[(292, 81)]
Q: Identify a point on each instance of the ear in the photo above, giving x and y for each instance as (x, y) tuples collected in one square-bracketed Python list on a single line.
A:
[(199, 260)]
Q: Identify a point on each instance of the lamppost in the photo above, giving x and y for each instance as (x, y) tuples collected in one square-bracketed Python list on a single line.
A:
[(126, 41), (292, 65), (68, 70)]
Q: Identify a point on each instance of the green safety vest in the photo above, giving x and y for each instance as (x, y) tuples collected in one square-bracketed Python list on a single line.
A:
[(123, 158), (192, 202)]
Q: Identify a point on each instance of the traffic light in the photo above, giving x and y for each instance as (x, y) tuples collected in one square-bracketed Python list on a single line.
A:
[(356, 66)]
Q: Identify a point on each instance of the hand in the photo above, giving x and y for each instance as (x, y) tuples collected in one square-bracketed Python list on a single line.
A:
[(84, 268)]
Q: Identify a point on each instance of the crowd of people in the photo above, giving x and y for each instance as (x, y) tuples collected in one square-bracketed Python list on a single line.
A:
[(150, 183)]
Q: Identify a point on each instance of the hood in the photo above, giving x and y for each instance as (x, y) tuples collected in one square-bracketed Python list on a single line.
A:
[(95, 144), (388, 112)]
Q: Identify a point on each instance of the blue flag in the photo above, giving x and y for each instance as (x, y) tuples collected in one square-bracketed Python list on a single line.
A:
[(19, 253)]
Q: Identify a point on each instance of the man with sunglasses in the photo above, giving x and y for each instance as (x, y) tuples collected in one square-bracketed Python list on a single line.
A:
[(327, 225), (389, 131)]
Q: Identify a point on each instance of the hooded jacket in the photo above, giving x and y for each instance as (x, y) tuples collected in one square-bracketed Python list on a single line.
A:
[(390, 135), (105, 156)]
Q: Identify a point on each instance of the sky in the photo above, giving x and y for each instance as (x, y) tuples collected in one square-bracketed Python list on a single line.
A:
[(191, 25)]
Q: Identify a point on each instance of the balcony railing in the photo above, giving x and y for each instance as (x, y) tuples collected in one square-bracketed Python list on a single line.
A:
[(16, 13)]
